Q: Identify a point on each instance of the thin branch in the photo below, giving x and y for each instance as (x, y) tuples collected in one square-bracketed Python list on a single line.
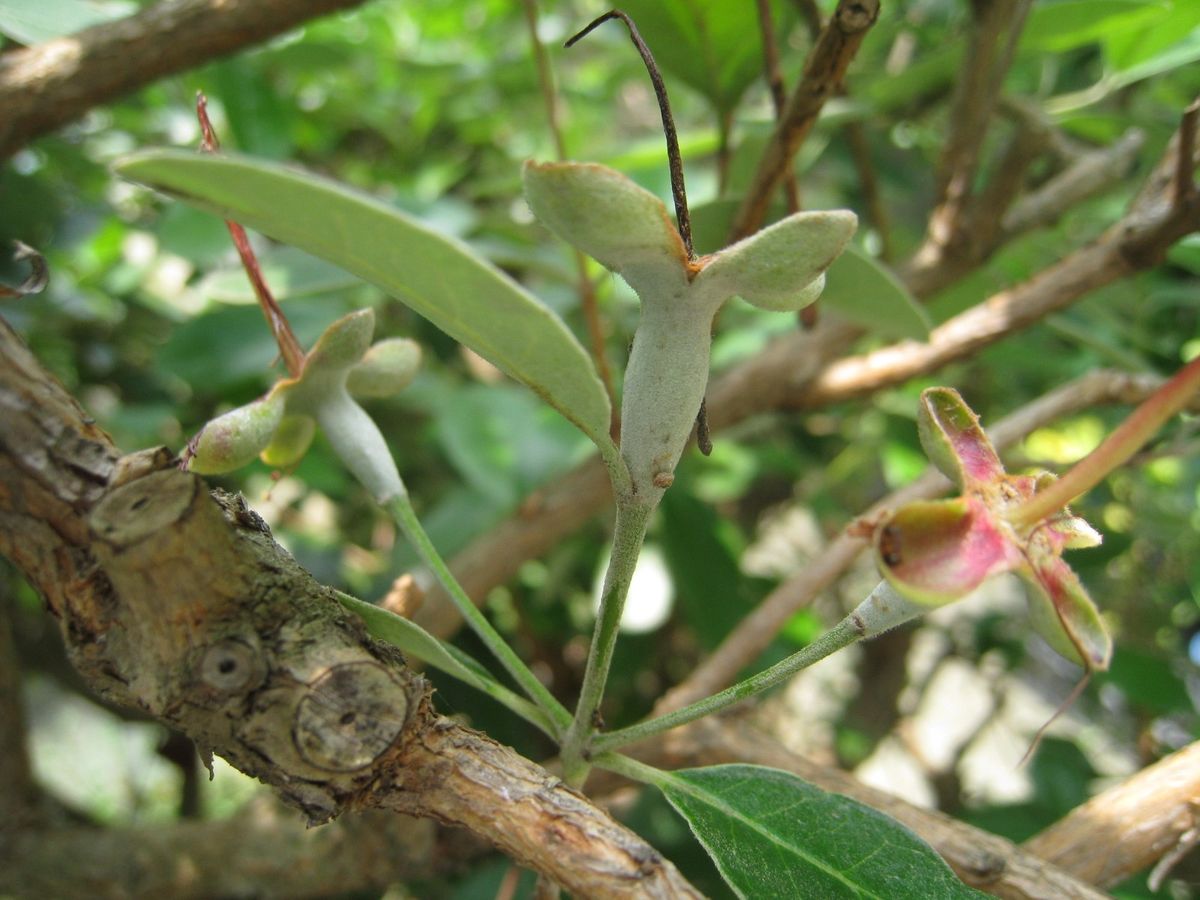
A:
[(774, 76), (281, 329), (674, 159), (171, 600), (995, 30), (44, 87), (1185, 171), (1096, 841), (823, 75)]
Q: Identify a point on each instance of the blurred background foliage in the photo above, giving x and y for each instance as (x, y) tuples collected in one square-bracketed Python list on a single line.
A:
[(433, 106)]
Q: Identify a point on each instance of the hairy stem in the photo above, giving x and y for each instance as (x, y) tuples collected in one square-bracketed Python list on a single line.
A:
[(631, 522), (401, 510)]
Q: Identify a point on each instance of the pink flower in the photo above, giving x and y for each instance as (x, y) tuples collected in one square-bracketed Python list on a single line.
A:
[(934, 552)]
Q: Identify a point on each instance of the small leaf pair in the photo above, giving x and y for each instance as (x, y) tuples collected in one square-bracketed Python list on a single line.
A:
[(937, 551), (628, 231), (279, 426)]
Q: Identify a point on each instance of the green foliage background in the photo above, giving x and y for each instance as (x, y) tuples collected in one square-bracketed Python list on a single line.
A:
[(433, 106)]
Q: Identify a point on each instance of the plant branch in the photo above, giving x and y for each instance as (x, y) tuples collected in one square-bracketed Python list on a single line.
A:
[(44, 87), (1095, 840), (181, 604), (774, 76), (823, 75), (629, 531)]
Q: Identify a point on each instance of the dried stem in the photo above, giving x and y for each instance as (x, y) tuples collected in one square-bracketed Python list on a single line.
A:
[(39, 272), (674, 159), (766, 28), (823, 75), (289, 347)]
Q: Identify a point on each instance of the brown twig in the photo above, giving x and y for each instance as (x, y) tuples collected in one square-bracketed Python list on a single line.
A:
[(674, 159), (171, 600), (587, 289), (1185, 171), (774, 76), (281, 329), (823, 75), (44, 87), (996, 27), (1127, 828)]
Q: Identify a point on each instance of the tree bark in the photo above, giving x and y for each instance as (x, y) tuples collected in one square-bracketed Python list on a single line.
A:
[(46, 86), (180, 604)]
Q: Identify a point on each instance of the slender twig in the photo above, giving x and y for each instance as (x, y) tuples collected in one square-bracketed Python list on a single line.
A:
[(674, 159), (774, 75), (587, 289), (823, 75), (628, 534), (405, 516), (1185, 179), (860, 153), (289, 347)]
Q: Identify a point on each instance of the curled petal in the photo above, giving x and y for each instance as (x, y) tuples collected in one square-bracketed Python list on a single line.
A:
[(386, 369), (937, 551), (232, 440), (953, 439), (622, 226), (1064, 614), (775, 269)]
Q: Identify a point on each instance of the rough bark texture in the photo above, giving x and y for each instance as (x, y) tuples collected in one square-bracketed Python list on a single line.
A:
[(1128, 827), (180, 604), (46, 86)]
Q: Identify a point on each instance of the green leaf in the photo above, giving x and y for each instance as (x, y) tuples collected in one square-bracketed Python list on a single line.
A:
[(773, 835), (31, 23), (866, 292), (290, 273), (712, 45), (1057, 27), (417, 642), (437, 276)]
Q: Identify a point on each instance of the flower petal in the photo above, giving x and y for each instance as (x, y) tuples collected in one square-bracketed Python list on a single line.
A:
[(1064, 614), (953, 439), (775, 268), (603, 213), (936, 551)]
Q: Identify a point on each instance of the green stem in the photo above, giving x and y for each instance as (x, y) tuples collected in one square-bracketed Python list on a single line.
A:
[(632, 769), (415, 642), (841, 635), (401, 510), (1116, 449), (629, 531)]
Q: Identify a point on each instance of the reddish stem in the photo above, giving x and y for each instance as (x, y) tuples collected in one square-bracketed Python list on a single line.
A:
[(289, 347), (1129, 437)]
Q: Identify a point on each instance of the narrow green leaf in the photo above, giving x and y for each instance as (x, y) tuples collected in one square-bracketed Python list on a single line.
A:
[(419, 643), (866, 292), (31, 23), (712, 45), (773, 835), (437, 276)]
